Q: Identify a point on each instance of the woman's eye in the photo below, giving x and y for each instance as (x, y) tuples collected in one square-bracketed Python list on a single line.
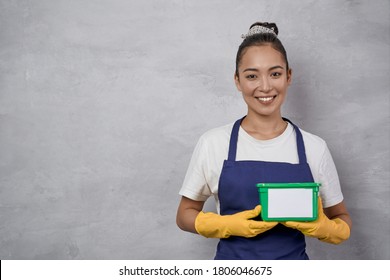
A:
[(251, 77), (275, 74)]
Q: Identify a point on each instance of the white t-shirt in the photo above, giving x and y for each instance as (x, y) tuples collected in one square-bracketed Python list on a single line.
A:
[(202, 177)]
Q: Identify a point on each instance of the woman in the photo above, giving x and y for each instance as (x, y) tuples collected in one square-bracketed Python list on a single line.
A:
[(261, 147)]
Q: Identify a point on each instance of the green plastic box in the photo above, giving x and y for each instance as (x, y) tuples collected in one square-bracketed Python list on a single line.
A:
[(288, 201)]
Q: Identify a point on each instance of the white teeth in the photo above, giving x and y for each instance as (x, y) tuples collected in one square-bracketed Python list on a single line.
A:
[(265, 99)]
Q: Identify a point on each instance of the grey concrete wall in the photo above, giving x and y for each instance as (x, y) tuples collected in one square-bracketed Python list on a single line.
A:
[(102, 102)]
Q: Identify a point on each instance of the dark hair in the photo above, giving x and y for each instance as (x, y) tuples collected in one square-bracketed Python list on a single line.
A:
[(261, 39)]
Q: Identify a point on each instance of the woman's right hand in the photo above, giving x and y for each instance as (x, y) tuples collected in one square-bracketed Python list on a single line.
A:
[(239, 224)]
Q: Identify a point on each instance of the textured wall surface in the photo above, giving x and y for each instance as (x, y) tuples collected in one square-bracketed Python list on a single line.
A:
[(102, 102)]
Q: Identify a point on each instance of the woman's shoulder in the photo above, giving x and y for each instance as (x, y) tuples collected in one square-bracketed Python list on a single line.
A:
[(215, 142), (313, 141)]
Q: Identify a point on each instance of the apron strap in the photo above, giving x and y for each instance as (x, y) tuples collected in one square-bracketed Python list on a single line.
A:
[(300, 144), (234, 139)]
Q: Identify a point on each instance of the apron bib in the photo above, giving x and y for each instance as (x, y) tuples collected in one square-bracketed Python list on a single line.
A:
[(237, 192)]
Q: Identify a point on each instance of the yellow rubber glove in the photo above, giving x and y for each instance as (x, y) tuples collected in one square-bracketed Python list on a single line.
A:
[(239, 224), (332, 231)]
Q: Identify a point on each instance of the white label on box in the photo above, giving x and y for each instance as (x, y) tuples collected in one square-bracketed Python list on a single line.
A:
[(290, 203)]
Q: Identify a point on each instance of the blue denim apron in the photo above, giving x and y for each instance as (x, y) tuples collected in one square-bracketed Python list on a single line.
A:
[(237, 192)]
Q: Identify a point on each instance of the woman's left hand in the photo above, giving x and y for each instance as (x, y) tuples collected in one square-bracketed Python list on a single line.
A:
[(332, 231)]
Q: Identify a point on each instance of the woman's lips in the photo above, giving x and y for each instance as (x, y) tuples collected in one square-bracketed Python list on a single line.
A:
[(266, 99)]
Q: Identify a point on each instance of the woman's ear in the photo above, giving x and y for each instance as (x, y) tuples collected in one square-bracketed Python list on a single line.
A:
[(237, 81), (289, 76)]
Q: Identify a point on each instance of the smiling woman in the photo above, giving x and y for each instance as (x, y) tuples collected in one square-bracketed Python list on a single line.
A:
[(262, 147), (263, 79)]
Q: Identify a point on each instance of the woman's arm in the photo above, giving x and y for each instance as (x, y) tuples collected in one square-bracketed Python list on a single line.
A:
[(338, 211), (187, 212)]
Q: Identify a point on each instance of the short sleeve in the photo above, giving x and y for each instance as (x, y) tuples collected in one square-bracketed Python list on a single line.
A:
[(195, 184), (330, 189)]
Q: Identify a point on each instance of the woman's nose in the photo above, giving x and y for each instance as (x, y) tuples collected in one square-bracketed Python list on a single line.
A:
[(264, 85)]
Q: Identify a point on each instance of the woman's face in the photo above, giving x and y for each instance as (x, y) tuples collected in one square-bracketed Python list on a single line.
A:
[(263, 80)]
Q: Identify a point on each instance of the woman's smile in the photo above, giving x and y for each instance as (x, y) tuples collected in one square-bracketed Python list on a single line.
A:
[(266, 99)]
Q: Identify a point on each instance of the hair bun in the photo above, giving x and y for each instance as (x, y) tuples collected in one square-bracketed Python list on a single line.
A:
[(269, 25)]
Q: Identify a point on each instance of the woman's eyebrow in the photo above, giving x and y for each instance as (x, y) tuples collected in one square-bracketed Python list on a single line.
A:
[(251, 69), (257, 70), (276, 67)]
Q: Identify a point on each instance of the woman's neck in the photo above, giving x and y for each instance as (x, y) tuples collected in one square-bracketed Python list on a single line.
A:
[(264, 127)]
